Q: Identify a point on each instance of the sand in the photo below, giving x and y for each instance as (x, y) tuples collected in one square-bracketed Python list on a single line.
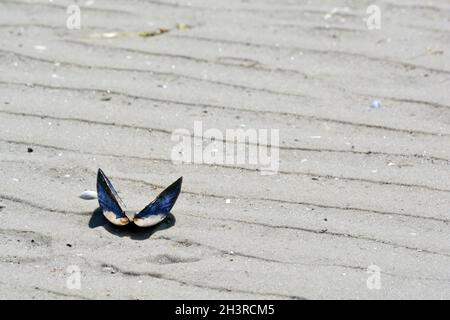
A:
[(359, 189)]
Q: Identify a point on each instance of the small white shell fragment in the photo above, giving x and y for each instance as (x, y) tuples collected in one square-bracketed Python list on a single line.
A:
[(88, 195), (375, 104), (40, 47), (227, 200), (110, 34)]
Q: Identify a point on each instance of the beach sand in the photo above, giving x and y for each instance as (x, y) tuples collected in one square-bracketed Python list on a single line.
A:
[(358, 210)]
